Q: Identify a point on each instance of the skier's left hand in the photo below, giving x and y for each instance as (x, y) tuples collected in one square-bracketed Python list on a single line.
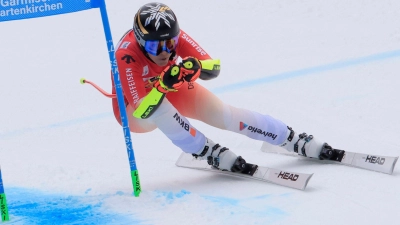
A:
[(191, 68), (173, 77)]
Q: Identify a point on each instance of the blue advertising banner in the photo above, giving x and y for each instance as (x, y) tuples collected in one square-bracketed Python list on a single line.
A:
[(25, 9)]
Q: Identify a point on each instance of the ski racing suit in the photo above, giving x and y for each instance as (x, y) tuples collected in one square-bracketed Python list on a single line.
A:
[(192, 100)]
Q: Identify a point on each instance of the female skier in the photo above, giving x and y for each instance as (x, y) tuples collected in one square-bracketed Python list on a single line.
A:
[(162, 93)]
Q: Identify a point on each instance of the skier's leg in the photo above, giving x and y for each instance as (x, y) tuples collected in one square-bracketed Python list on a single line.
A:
[(201, 104), (135, 125), (179, 130)]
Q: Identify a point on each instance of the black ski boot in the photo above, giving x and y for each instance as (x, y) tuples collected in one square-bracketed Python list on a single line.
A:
[(240, 166), (329, 153)]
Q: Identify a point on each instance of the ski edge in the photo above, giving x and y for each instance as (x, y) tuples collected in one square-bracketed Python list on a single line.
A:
[(263, 174)]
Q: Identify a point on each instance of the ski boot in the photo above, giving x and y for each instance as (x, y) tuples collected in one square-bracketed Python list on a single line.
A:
[(308, 146), (223, 159)]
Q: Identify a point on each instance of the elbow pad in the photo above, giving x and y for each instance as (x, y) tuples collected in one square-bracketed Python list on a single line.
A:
[(210, 69)]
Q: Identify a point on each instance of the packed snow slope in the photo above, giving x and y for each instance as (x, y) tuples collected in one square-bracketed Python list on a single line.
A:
[(328, 68)]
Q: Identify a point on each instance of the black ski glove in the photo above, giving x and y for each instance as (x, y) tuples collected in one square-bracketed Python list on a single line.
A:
[(173, 77)]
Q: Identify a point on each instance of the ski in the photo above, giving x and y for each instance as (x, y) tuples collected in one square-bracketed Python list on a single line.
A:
[(377, 163), (281, 177)]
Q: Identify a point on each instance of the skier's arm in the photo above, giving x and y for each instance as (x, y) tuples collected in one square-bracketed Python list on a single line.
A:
[(210, 69), (133, 86), (171, 79), (189, 47)]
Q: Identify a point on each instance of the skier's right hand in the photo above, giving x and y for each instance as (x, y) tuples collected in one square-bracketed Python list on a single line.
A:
[(170, 79), (173, 77)]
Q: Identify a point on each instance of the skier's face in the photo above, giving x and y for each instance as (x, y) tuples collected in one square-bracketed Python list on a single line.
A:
[(161, 59)]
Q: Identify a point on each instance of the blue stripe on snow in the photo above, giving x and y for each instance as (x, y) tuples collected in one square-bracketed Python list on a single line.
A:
[(262, 207), (235, 86), (56, 125), (308, 71)]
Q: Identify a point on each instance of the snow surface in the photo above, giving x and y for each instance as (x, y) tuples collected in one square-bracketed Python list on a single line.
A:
[(328, 68)]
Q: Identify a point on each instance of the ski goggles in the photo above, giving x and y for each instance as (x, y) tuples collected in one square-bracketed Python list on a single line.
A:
[(156, 47)]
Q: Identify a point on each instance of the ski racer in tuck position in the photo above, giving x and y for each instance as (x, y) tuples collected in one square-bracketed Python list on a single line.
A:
[(162, 93)]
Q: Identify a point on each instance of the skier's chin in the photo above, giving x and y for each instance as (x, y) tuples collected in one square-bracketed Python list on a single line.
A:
[(162, 62), (162, 59)]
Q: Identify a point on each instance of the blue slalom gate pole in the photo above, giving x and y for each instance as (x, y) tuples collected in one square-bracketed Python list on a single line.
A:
[(17, 10), (3, 202), (120, 98)]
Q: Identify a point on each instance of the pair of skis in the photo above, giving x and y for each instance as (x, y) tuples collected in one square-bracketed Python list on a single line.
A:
[(378, 163)]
